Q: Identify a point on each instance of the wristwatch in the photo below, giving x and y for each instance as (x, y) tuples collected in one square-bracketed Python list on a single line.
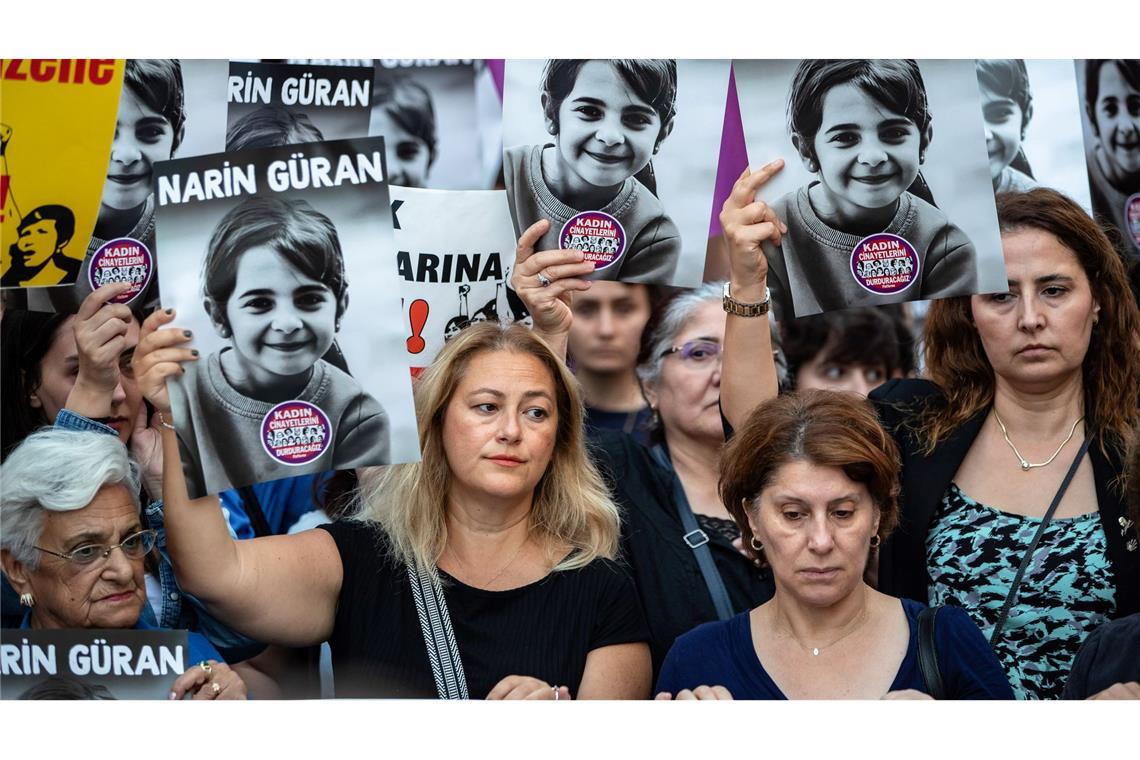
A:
[(741, 309)]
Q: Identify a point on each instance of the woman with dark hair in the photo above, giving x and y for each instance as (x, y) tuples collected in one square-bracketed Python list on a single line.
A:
[(853, 350), (812, 481), (678, 539), (1023, 384)]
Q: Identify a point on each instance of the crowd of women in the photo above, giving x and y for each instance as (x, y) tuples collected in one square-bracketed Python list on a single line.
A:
[(644, 494)]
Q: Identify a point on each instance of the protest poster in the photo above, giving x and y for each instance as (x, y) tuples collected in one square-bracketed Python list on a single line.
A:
[(1033, 126), (886, 186), (1110, 105), (56, 131), (167, 108), (450, 280), (91, 663), (299, 373), (425, 109), (274, 104), (620, 156)]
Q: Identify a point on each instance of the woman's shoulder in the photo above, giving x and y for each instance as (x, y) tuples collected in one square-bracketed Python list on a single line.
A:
[(708, 639), (899, 399), (358, 539)]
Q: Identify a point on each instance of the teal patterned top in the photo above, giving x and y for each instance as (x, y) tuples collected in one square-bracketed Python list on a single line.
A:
[(972, 555)]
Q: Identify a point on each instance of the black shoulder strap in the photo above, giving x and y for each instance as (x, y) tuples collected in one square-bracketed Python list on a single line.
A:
[(252, 506), (1017, 578), (696, 539), (928, 654)]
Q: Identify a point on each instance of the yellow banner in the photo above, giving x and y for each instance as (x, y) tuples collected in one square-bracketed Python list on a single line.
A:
[(58, 120)]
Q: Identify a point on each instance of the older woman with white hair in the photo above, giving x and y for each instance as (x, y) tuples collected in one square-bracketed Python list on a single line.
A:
[(677, 537), (74, 545)]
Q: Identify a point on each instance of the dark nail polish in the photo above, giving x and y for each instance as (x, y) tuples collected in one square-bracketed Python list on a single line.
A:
[(194, 352), (188, 334), (169, 312)]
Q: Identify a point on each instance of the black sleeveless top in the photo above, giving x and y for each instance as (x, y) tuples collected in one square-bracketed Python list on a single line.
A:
[(544, 629)]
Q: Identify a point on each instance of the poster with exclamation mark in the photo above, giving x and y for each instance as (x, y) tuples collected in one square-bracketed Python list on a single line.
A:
[(453, 274)]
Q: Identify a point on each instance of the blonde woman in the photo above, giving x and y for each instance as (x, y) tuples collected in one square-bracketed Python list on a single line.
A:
[(504, 517)]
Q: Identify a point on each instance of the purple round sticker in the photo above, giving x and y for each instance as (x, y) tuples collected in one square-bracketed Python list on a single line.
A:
[(295, 432), (884, 264), (1132, 217), (599, 235), (122, 260)]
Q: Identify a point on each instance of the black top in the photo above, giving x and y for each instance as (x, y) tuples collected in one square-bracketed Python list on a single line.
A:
[(636, 423), (544, 629), (925, 478), (669, 581), (1110, 654)]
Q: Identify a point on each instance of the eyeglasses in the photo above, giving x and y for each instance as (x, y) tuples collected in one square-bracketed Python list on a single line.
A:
[(696, 353), (134, 546)]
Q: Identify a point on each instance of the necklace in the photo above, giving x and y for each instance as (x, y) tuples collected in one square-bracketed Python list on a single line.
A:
[(487, 584), (1026, 465), (816, 650)]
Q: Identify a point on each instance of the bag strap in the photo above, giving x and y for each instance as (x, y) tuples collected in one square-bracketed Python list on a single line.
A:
[(253, 510), (928, 654), (439, 638), (1009, 599), (696, 539)]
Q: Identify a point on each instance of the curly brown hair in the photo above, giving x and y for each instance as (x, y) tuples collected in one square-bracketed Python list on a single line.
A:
[(957, 363), (824, 428)]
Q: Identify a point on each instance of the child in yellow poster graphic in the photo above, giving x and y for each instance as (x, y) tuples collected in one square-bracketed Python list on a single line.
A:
[(59, 118)]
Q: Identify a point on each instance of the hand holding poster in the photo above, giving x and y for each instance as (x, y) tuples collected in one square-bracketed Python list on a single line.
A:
[(91, 663), (886, 186), (620, 156), (456, 273), (58, 122), (291, 380)]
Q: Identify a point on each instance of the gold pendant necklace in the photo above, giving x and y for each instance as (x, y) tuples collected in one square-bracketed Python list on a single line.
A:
[(1026, 465)]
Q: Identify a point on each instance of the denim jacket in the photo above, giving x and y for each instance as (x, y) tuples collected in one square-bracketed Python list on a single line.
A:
[(177, 610)]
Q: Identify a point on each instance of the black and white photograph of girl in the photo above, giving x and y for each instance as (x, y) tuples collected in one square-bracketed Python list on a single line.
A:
[(1110, 99), (425, 110), (886, 186), (620, 156), (168, 108), (294, 309), (1033, 126), (280, 104)]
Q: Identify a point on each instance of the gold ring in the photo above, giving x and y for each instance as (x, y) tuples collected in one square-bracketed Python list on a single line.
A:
[(214, 687), (205, 666)]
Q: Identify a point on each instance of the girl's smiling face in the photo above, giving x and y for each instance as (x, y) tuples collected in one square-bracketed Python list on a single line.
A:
[(142, 137), (866, 155), (1118, 119), (280, 320), (605, 132), (1003, 119)]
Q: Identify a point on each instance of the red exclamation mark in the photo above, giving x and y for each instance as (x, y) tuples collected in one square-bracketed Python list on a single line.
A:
[(417, 315), (3, 195)]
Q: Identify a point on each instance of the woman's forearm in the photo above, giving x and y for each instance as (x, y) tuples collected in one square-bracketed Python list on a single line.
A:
[(749, 375), (204, 556)]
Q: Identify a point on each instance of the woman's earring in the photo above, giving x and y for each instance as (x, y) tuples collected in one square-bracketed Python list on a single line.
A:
[(656, 417), (27, 600), (756, 545), (875, 541), (812, 166)]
